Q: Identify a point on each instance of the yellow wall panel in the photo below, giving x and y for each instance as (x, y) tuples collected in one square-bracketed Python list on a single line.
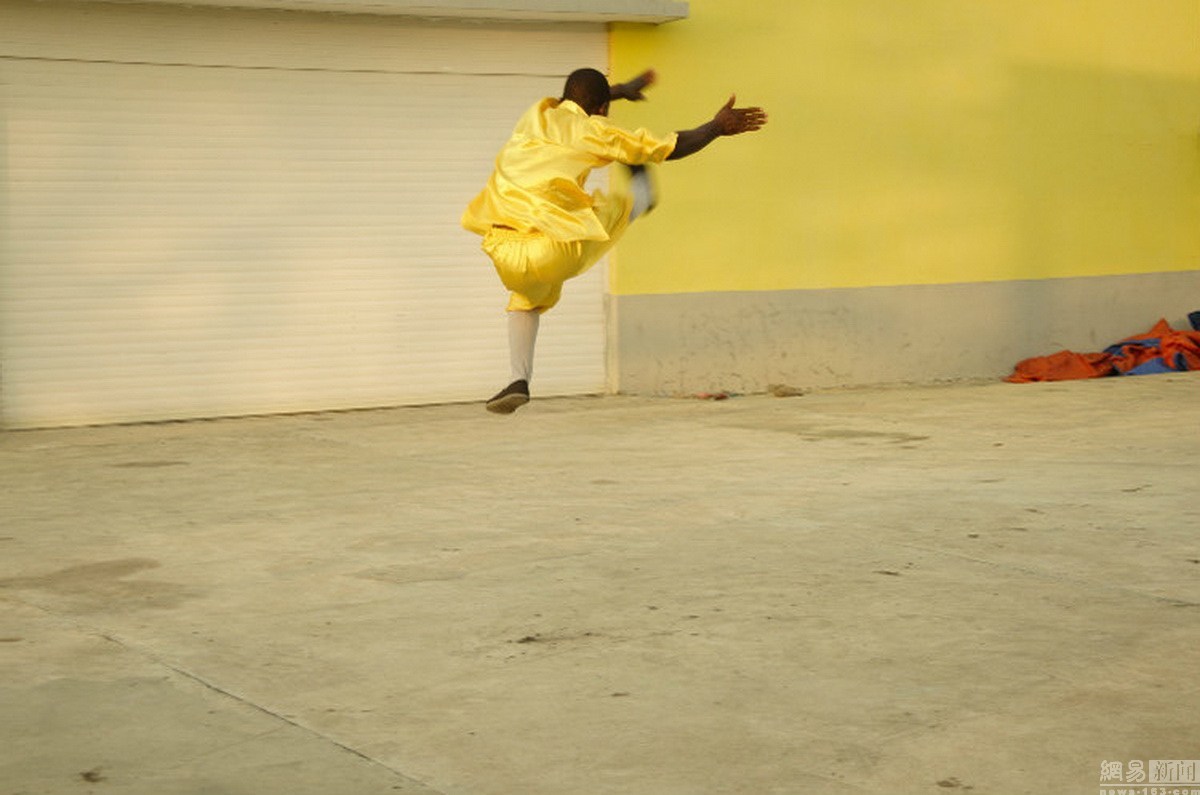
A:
[(924, 142)]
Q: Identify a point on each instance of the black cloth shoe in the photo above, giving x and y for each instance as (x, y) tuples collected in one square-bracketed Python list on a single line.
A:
[(509, 399)]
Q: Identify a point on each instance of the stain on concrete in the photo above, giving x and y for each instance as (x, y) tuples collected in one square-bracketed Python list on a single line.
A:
[(812, 433), (562, 637), (407, 574), (105, 585), (856, 435), (784, 390), (149, 464), (94, 775)]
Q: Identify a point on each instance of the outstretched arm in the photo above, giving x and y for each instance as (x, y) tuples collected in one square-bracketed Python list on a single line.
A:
[(728, 121), (633, 89)]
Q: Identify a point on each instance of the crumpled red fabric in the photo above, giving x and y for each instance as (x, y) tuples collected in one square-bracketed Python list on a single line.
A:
[(1161, 349), (1062, 366)]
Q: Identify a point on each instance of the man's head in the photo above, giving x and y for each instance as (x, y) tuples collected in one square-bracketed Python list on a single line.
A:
[(588, 89)]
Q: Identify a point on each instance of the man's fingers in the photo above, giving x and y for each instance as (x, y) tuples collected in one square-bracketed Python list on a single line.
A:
[(640, 83), (732, 121), (750, 119), (754, 118), (643, 81)]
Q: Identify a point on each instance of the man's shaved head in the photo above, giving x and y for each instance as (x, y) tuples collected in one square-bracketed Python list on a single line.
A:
[(588, 89)]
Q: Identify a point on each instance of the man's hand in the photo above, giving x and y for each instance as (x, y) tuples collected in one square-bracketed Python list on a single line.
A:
[(728, 121), (734, 121), (634, 89)]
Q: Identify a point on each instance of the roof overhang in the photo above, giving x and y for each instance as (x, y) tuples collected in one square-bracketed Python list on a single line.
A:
[(645, 11)]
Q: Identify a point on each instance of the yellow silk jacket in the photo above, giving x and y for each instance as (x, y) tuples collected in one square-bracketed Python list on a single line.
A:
[(537, 184)]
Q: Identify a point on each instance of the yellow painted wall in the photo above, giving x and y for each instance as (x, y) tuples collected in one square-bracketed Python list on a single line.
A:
[(920, 142)]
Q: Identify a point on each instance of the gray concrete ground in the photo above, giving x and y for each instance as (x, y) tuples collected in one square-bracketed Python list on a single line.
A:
[(981, 588)]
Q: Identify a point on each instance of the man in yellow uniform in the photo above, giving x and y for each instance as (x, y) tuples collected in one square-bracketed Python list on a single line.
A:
[(540, 227)]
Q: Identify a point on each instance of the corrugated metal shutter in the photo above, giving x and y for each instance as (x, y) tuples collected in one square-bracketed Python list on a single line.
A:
[(206, 239)]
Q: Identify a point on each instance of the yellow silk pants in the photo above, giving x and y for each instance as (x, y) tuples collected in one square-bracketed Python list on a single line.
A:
[(533, 267)]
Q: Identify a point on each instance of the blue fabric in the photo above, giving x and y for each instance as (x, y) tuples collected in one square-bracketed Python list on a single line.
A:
[(1153, 367)]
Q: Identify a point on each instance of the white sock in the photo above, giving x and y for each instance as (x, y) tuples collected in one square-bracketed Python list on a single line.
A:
[(522, 335), (643, 193)]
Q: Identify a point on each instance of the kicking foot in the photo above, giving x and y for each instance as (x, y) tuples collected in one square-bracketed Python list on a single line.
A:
[(509, 399), (641, 185)]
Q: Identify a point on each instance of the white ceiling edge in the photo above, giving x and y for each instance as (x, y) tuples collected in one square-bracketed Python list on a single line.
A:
[(643, 11)]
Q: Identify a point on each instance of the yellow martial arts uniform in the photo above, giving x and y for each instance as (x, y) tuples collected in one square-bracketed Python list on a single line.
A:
[(539, 226)]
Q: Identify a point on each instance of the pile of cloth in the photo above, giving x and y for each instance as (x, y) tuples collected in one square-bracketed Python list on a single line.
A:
[(1162, 349)]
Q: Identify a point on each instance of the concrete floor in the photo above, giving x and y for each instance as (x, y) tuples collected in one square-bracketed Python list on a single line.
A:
[(982, 588)]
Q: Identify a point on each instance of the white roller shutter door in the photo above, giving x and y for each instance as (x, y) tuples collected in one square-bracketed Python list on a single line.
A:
[(262, 230)]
